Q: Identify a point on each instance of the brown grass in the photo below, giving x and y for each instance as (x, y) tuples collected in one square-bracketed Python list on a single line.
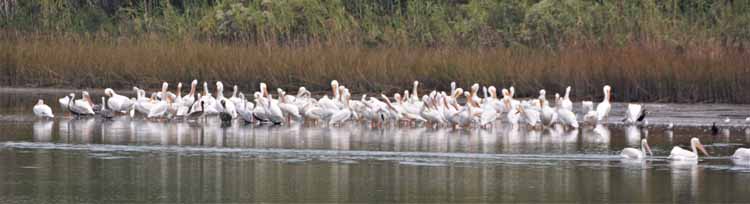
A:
[(637, 71)]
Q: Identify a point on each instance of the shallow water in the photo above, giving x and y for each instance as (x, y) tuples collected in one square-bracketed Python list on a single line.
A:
[(131, 160)]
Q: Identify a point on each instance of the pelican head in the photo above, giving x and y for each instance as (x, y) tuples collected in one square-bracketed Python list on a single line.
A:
[(40, 102), (607, 90), (164, 86), (542, 94), (695, 143), (416, 83), (458, 92), (263, 89), (109, 92), (219, 86), (334, 87), (194, 83), (334, 83), (475, 87), (179, 85), (493, 91)]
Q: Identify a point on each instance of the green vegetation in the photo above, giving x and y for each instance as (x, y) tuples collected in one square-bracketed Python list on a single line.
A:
[(672, 50)]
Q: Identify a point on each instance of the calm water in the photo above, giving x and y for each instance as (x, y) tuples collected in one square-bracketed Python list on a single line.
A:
[(131, 160)]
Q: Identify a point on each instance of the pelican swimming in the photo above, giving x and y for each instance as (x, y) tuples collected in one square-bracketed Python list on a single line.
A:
[(678, 153), (42, 110), (602, 110), (741, 153), (633, 153)]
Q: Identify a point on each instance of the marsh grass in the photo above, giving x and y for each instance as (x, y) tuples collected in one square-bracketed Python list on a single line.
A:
[(638, 71)]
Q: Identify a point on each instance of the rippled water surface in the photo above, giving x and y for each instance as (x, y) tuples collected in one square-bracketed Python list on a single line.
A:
[(131, 160)]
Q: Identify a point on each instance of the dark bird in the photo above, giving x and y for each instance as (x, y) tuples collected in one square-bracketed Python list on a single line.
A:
[(105, 112), (642, 115), (224, 116), (714, 129), (195, 114)]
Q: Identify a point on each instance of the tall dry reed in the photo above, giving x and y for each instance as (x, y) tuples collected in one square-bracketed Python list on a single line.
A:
[(638, 71)]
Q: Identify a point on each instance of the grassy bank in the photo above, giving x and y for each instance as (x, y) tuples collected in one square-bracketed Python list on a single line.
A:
[(638, 71)]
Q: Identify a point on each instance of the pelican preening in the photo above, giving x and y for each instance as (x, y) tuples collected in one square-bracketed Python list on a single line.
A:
[(42, 110)]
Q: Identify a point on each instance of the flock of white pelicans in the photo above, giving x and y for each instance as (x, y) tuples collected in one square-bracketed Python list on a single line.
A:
[(436, 109)]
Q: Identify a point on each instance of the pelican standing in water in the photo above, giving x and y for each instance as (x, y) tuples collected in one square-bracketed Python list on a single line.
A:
[(634, 113), (602, 110), (117, 102), (685, 155), (633, 153), (42, 110)]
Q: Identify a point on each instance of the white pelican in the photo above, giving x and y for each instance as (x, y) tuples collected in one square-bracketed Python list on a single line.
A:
[(742, 154), (161, 108), (415, 96), (42, 110), (633, 113), (530, 113), (465, 116), (678, 153), (633, 153), (275, 115), (181, 108), (259, 111), (567, 117), (234, 98), (79, 106), (117, 102), (566, 103), (430, 112), (342, 115), (189, 99), (245, 110), (590, 116), (489, 110), (602, 110), (209, 107), (548, 115), (287, 108), (142, 104), (64, 101)]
